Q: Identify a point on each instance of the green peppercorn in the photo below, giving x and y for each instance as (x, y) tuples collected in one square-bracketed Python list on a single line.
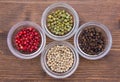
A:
[(60, 22)]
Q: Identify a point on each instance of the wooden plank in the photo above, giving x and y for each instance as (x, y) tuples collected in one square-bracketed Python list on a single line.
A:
[(106, 69)]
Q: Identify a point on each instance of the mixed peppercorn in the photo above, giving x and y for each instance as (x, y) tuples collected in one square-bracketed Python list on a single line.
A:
[(60, 22), (27, 40), (91, 40), (60, 58)]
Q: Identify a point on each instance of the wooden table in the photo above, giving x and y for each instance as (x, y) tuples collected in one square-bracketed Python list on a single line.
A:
[(13, 69)]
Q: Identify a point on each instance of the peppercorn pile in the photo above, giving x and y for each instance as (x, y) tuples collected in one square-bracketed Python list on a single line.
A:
[(59, 22), (27, 40), (91, 40), (60, 59)]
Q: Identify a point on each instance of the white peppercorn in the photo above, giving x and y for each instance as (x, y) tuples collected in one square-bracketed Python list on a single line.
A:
[(60, 58)]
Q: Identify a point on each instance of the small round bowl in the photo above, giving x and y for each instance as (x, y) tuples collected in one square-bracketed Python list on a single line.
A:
[(14, 29), (69, 9), (108, 39), (55, 74)]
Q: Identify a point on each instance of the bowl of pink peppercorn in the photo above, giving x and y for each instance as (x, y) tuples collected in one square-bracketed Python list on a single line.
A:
[(26, 40)]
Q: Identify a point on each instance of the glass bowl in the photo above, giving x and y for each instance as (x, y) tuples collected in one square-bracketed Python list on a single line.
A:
[(15, 29), (108, 38), (69, 9), (55, 74)]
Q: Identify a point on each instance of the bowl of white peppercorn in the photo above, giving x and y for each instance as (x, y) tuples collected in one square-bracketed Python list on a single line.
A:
[(60, 21), (59, 59)]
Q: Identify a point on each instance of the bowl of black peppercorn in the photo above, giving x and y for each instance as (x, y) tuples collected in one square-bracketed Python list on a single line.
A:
[(93, 40)]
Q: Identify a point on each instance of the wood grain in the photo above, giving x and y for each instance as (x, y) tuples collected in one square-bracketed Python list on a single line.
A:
[(13, 69)]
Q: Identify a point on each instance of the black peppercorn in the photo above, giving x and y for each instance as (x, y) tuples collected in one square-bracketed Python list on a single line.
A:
[(91, 40)]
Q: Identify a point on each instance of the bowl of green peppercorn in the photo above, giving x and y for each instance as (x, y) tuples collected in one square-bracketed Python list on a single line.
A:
[(93, 40), (60, 21)]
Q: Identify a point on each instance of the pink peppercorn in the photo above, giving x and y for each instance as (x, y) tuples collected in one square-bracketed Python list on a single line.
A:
[(27, 40)]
